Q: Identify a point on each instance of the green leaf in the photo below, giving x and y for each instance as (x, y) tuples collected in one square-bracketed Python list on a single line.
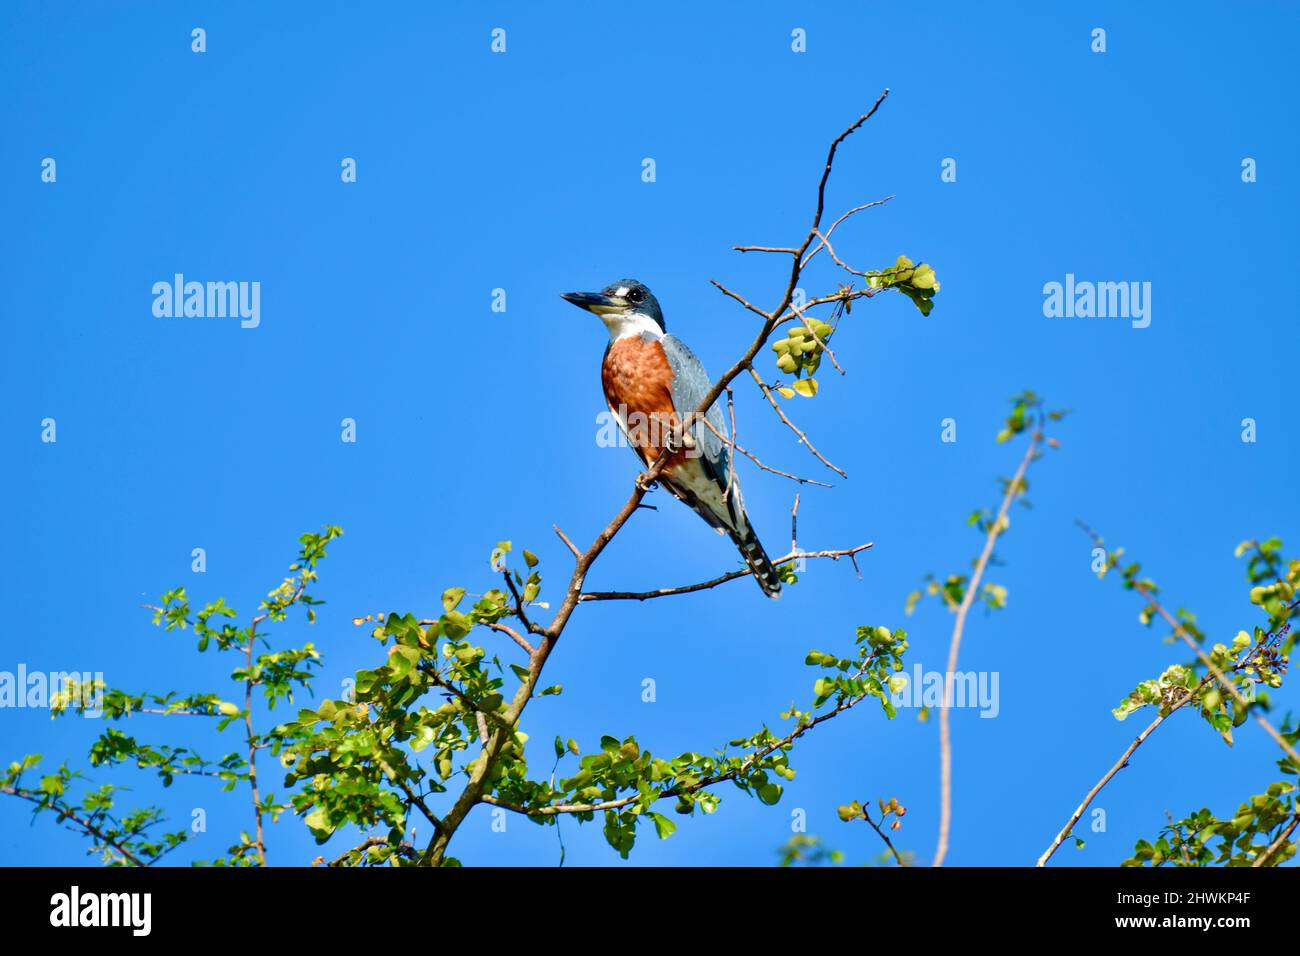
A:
[(663, 826)]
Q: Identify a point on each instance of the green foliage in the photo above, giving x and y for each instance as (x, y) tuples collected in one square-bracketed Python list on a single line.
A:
[(125, 839), (117, 839), (800, 352), (804, 849), (1252, 662), (440, 709), (355, 760), (1224, 691), (917, 282), (1260, 833), (1027, 416)]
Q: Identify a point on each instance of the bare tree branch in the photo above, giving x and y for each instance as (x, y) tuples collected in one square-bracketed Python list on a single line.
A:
[(1119, 765), (720, 579), (767, 391), (856, 209), (768, 468), (573, 548), (999, 525)]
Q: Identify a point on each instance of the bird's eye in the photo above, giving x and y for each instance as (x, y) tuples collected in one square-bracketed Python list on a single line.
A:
[(636, 295)]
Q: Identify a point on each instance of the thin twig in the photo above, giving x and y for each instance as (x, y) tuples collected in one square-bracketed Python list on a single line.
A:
[(64, 813), (252, 742), (512, 634), (838, 261), (881, 833), (959, 626), (764, 249), (835, 224), (1210, 666), (767, 391), (765, 467), (794, 525), (816, 338), (565, 538), (1119, 765), (1218, 674), (739, 298), (519, 604), (404, 850), (784, 743), (720, 579)]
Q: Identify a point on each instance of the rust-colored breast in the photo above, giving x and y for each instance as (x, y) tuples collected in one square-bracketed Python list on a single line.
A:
[(638, 387)]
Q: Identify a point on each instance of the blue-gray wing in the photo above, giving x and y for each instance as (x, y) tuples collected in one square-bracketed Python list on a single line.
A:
[(690, 384)]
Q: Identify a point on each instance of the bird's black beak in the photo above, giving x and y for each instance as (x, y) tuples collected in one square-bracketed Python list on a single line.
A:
[(596, 302)]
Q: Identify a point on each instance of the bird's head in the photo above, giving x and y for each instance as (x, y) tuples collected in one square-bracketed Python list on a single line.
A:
[(626, 307)]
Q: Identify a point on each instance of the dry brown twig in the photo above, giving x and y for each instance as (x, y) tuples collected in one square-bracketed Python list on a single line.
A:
[(768, 468), (803, 439)]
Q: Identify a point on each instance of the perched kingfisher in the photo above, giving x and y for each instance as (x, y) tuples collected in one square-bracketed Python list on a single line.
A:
[(652, 381)]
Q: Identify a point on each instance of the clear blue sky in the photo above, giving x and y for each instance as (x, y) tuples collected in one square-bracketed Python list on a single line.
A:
[(522, 171)]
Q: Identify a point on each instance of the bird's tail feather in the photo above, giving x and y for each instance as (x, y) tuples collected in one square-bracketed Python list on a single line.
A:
[(758, 561)]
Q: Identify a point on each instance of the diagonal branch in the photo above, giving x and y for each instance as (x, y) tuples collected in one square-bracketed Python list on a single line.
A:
[(66, 813), (856, 209), (767, 392), (1119, 765), (1218, 674), (1276, 846), (755, 459), (884, 836)]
